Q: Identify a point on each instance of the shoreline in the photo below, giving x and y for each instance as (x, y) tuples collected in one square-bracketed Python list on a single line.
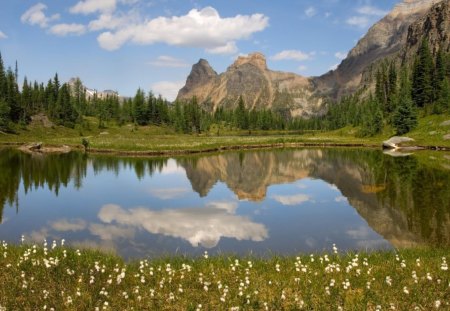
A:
[(63, 148)]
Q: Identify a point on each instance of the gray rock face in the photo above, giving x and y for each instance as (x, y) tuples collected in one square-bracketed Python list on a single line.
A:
[(395, 142)]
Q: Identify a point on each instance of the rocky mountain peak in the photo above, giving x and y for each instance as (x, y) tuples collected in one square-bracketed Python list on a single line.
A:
[(257, 59), (201, 74)]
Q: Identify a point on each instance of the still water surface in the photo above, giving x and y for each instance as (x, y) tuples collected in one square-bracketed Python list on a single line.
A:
[(266, 202)]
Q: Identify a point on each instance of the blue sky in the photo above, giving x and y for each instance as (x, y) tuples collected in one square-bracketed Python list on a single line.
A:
[(152, 44)]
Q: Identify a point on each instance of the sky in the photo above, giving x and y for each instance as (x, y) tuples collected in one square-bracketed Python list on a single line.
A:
[(123, 45)]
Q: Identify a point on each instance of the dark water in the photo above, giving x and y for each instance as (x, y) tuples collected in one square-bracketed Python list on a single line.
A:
[(274, 202)]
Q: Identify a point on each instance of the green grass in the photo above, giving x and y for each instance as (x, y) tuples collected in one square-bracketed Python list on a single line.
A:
[(164, 140), (66, 279)]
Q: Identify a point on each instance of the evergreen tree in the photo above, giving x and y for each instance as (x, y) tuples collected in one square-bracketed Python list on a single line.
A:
[(12, 97), (405, 115), (422, 88), (139, 108), (4, 115)]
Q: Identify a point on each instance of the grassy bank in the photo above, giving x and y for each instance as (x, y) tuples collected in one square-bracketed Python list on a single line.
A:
[(163, 140), (45, 277)]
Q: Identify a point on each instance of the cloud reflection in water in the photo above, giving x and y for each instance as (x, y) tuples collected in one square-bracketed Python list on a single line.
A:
[(199, 226)]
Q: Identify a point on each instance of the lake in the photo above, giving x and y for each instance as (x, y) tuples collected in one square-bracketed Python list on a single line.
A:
[(255, 202)]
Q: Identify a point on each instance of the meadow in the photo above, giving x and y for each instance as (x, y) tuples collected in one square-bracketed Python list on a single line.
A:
[(51, 276), (157, 140)]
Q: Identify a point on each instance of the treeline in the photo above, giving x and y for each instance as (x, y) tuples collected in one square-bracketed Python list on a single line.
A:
[(401, 94)]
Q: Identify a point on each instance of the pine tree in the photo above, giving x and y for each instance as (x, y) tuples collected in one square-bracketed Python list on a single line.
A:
[(139, 108), (422, 88), (4, 115), (405, 115)]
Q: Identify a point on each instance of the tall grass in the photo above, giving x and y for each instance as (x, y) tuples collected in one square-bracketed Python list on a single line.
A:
[(53, 277)]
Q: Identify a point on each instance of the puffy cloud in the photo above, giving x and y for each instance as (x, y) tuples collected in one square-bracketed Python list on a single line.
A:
[(110, 22), (291, 200), (92, 6), (292, 55), (168, 61), (68, 29), (2, 35), (311, 11), (358, 21), (36, 16), (340, 55), (168, 193), (371, 10), (199, 226), (203, 28), (167, 89)]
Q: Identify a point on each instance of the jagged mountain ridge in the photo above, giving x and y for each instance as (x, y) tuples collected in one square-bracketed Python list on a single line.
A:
[(250, 78), (395, 35)]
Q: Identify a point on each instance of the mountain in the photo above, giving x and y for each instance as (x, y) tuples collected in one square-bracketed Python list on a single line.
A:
[(90, 92), (250, 78), (397, 35)]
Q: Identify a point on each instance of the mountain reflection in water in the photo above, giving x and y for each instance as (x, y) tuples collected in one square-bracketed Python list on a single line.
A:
[(280, 201)]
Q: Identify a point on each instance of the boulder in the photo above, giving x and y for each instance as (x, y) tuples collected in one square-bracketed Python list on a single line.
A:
[(445, 123), (395, 142)]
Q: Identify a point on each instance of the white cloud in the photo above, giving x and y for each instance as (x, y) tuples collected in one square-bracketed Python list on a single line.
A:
[(229, 207), (371, 11), (291, 200), (168, 193), (199, 226), (92, 6), (340, 55), (111, 232), (36, 16), (172, 167), (310, 12), (68, 29), (228, 48), (327, 14), (358, 21), (168, 61), (167, 89), (3, 35), (302, 68), (203, 28), (292, 55), (110, 22), (340, 199), (64, 225)]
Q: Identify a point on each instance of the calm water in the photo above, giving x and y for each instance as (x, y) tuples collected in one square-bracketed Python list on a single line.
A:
[(274, 202)]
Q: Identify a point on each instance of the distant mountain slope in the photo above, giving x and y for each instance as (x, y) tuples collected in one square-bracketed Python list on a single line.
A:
[(384, 39), (396, 35)]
